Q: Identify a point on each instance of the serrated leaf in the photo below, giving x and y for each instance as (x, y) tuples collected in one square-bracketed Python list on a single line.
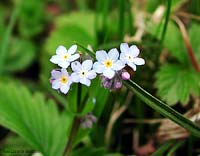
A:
[(37, 121), (176, 83)]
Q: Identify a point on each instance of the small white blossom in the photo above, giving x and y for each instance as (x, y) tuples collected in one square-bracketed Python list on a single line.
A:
[(108, 63), (63, 56), (129, 55), (61, 80), (83, 73)]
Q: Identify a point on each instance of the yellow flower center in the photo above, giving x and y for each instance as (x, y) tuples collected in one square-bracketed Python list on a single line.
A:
[(65, 56), (108, 63), (64, 79)]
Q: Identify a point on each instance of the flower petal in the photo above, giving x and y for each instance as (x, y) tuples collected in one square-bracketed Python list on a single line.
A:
[(118, 65), (72, 49), (123, 57), (87, 64), (55, 59), (76, 66), (64, 72), (101, 55), (109, 73), (85, 81), (55, 74), (60, 50), (133, 66), (113, 54), (56, 84), (134, 51), (91, 74), (98, 67), (64, 89), (124, 47), (64, 64), (75, 77), (73, 57), (138, 61)]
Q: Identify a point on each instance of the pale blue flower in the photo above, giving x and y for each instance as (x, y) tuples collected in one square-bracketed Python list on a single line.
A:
[(64, 57), (129, 55), (108, 63), (83, 73), (61, 80)]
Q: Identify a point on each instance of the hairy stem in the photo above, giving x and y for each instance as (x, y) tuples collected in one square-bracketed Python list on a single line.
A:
[(76, 123), (72, 135)]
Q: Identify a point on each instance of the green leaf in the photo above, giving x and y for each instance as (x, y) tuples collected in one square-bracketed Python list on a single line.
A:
[(173, 40), (176, 83), (37, 121), (6, 37), (194, 33), (31, 22), (20, 55), (82, 19), (163, 108)]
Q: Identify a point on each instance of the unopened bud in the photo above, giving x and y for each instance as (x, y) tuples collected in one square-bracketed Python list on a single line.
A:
[(125, 75)]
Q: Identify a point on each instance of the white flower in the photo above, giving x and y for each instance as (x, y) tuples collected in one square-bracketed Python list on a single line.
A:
[(129, 55), (61, 80), (108, 63), (82, 72), (63, 56)]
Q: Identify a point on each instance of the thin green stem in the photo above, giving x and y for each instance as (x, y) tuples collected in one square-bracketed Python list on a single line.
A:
[(175, 147), (130, 17), (162, 149), (76, 122), (121, 18), (79, 98), (72, 135), (166, 20)]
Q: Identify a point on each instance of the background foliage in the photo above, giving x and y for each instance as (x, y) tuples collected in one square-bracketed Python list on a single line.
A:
[(39, 119)]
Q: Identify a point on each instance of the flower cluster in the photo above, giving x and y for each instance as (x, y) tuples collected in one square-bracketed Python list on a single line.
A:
[(109, 65)]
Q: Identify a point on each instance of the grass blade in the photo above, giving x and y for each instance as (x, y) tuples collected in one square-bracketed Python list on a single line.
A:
[(121, 18), (175, 147), (6, 37), (163, 108), (163, 148), (166, 20)]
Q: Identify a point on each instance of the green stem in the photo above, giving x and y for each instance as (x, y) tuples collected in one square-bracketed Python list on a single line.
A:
[(72, 135), (121, 18), (166, 20), (76, 123)]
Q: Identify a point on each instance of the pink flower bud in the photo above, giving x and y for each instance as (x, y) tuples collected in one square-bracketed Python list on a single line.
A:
[(125, 76)]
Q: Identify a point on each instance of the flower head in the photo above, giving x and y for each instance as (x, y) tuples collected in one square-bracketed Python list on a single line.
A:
[(63, 56), (108, 63), (61, 80), (83, 73), (88, 120), (129, 56)]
